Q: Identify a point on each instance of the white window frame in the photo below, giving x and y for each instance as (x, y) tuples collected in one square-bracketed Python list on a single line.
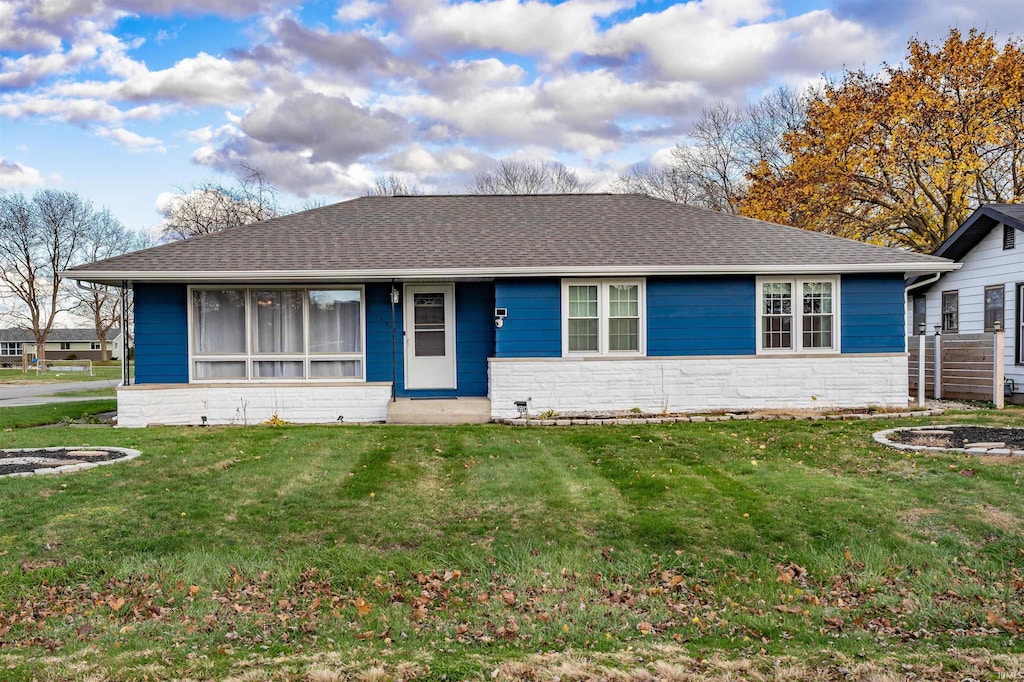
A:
[(603, 309), (250, 357), (19, 348), (797, 315)]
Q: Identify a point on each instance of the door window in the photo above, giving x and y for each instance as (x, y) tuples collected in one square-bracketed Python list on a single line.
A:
[(428, 324)]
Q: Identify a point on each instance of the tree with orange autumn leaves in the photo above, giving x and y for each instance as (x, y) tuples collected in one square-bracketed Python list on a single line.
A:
[(903, 156)]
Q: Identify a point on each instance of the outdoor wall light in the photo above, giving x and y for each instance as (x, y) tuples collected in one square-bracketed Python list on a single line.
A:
[(499, 317), (394, 295)]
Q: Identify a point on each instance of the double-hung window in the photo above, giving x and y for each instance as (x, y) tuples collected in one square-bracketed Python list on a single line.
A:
[(797, 314), (604, 317), (994, 308), (920, 314), (272, 333), (950, 311), (10, 348)]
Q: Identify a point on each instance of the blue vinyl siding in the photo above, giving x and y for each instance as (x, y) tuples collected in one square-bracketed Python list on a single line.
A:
[(872, 313), (161, 334), (701, 316), (378, 334), (474, 339), (533, 328)]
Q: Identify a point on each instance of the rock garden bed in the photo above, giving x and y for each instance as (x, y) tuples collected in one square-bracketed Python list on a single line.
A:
[(60, 460), (625, 418), (980, 440)]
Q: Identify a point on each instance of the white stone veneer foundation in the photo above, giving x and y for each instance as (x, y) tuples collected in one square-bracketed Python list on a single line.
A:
[(691, 384), (151, 404)]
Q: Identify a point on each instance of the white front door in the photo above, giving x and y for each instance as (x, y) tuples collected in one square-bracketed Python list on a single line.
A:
[(429, 336)]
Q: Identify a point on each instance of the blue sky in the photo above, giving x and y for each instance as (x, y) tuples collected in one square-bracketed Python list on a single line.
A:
[(127, 101)]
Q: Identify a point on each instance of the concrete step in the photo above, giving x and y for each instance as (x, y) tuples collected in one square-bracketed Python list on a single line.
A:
[(439, 411)]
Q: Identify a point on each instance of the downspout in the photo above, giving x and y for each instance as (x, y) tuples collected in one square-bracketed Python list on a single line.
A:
[(931, 280), (125, 366), (906, 292), (394, 343)]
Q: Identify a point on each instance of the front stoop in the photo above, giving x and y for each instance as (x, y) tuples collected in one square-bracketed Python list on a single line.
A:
[(440, 411)]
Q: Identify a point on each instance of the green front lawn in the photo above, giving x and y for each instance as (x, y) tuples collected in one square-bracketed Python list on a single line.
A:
[(732, 550), (57, 375)]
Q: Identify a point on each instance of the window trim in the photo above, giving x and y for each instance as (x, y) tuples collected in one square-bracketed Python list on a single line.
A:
[(1018, 300), (942, 312), (798, 317), (984, 307), (603, 310), (249, 357)]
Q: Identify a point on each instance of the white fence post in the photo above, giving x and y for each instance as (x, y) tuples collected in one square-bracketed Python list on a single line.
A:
[(920, 370), (937, 359), (998, 369)]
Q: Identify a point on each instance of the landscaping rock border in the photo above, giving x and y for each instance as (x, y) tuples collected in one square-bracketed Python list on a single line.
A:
[(126, 454), (882, 438), (730, 416)]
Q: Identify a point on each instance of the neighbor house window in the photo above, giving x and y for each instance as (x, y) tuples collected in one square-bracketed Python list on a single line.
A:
[(603, 317), (10, 348), (65, 345), (993, 307), (1009, 237), (95, 345), (950, 311), (920, 313), (273, 333), (798, 314)]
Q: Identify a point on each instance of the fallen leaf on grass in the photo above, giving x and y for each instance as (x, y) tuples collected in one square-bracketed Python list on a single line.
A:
[(791, 572), (363, 607)]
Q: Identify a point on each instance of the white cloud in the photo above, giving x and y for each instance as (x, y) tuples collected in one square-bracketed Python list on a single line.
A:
[(77, 111), (14, 175), (736, 43), (550, 31), (358, 10), (131, 141)]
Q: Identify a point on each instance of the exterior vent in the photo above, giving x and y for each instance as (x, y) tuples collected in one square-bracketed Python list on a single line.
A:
[(1009, 237)]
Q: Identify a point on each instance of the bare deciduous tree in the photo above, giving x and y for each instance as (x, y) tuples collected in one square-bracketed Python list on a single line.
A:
[(104, 237), (391, 186), (511, 176), (39, 238), (670, 182), (210, 207), (724, 144)]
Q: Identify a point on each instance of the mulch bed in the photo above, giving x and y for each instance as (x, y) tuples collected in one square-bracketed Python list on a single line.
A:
[(962, 435), (59, 457)]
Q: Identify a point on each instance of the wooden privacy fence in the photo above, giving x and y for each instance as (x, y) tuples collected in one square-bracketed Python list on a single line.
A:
[(958, 366)]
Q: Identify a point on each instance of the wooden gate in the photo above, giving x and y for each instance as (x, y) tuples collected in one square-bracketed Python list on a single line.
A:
[(958, 366)]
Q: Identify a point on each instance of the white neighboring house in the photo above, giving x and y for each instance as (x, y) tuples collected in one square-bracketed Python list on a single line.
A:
[(985, 292), (83, 344)]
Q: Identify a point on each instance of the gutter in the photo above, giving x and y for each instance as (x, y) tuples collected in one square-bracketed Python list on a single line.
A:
[(386, 275)]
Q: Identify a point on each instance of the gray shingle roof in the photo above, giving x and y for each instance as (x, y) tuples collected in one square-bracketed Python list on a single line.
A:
[(25, 336), (537, 233)]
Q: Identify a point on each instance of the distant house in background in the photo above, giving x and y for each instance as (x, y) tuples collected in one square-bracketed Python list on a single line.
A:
[(60, 344), (986, 293)]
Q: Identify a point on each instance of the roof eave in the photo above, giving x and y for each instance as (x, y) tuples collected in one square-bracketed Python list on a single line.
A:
[(908, 268)]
